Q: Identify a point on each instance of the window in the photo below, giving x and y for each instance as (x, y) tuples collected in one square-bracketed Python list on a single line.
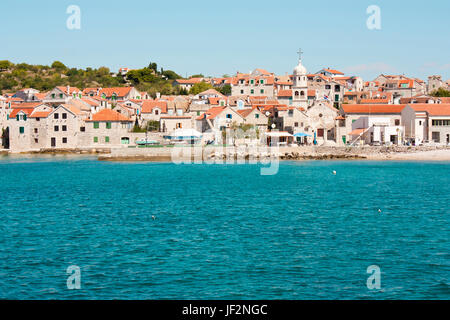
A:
[(35, 130), (436, 136), (296, 124), (257, 116), (261, 81), (420, 123), (82, 129), (242, 91), (96, 125), (56, 128), (252, 81), (106, 139), (178, 125), (95, 139), (262, 91), (36, 141), (64, 140), (198, 113), (53, 96), (108, 125), (229, 116), (64, 128), (252, 91), (38, 119), (61, 95), (22, 130), (156, 111), (397, 122), (56, 116), (64, 115), (327, 87)]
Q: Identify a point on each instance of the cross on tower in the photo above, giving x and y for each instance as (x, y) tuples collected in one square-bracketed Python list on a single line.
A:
[(300, 52)]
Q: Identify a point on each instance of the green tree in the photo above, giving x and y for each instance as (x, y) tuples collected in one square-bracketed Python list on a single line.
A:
[(441, 92), (225, 90), (58, 66), (5, 65), (171, 75), (200, 87), (197, 76)]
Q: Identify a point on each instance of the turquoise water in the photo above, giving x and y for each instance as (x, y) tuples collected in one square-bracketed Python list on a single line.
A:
[(223, 231)]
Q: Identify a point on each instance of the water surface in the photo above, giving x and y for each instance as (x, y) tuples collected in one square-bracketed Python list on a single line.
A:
[(223, 231)]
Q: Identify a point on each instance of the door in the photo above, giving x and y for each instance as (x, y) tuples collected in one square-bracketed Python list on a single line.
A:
[(320, 133), (53, 142)]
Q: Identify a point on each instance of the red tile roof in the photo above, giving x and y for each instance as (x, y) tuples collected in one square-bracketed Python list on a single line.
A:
[(333, 71), (119, 91), (373, 108), (432, 109), (285, 93), (71, 89), (109, 115), (15, 111), (149, 105), (211, 113)]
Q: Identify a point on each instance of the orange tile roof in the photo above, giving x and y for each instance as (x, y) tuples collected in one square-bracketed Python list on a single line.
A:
[(189, 81), (285, 93), (211, 113), (71, 89), (26, 105), (311, 93), (373, 108), (245, 112), (109, 115), (15, 111), (40, 114), (149, 105), (119, 91), (375, 101), (432, 109), (333, 71)]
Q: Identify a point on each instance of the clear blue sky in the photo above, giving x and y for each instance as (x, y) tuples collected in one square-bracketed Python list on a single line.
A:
[(222, 37)]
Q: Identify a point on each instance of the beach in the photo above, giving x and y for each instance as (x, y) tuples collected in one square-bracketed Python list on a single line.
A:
[(393, 153)]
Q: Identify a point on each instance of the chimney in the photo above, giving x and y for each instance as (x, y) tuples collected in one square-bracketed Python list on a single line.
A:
[(158, 95), (68, 90)]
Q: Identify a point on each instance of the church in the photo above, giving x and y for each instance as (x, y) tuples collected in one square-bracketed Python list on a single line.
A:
[(300, 85)]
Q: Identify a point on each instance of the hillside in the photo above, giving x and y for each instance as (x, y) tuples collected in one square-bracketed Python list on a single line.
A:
[(18, 76)]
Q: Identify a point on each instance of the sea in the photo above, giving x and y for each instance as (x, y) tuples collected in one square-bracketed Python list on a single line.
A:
[(78, 228)]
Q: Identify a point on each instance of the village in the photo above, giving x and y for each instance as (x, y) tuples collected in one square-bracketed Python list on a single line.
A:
[(298, 109)]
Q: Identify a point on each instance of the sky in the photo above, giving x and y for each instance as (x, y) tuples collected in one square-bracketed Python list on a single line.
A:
[(222, 37)]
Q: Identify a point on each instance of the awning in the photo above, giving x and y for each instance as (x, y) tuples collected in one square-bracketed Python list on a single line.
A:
[(278, 134), (184, 134), (358, 132), (301, 134)]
